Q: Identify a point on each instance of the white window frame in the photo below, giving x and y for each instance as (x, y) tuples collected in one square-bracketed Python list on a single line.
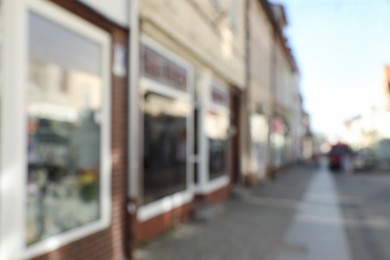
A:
[(206, 185), (166, 204), (13, 171)]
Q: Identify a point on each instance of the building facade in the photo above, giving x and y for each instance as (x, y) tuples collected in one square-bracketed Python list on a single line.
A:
[(189, 90), (259, 95), (124, 116), (284, 123)]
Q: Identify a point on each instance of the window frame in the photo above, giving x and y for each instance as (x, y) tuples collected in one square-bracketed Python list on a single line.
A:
[(177, 199), (13, 174), (206, 184)]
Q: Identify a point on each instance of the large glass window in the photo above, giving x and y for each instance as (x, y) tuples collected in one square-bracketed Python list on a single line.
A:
[(217, 125), (165, 146), (64, 127)]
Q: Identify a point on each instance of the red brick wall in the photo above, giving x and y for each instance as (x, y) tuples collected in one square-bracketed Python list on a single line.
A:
[(215, 196), (111, 243), (147, 230), (156, 226)]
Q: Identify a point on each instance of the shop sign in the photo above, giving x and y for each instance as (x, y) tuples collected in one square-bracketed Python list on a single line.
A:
[(162, 69), (278, 126), (219, 96)]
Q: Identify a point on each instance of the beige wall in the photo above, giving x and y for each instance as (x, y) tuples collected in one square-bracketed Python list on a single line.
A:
[(115, 10), (201, 33), (286, 91), (261, 45)]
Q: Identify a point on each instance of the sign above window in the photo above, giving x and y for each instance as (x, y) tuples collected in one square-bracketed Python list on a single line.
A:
[(160, 68), (219, 95)]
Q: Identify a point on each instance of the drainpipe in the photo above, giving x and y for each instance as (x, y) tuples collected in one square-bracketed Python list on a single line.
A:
[(273, 85), (133, 130), (246, 102)]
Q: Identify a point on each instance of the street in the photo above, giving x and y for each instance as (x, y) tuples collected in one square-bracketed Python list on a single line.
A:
[(368, 216), (305, 213)]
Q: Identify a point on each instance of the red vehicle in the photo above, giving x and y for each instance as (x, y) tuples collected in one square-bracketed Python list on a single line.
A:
[(337, 154)]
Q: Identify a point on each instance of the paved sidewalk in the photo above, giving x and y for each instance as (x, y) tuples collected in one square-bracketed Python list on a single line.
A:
[(318, 228), (291, 218)]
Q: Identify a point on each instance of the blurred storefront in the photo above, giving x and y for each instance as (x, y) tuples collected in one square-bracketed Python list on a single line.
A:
[(259, 137), (166, 101), (307, 139), (128, 116), (190, 105), (62, 138), (274, 104), (213, 125), (278, 142), (277, 85), (260, 32)]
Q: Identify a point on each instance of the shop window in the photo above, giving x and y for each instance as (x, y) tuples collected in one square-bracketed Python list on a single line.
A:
[(217, 134), (165, 146), (65, 130)]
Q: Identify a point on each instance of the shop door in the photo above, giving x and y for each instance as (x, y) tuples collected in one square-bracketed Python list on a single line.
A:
[(235, 136)]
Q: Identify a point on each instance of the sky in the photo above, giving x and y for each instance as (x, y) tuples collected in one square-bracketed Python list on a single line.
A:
[(341, 47)]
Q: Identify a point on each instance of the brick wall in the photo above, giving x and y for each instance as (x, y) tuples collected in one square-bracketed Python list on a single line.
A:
[(156, 226), (215, 196)]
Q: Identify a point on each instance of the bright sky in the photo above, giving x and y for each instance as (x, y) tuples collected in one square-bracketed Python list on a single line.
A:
[(341, 47)]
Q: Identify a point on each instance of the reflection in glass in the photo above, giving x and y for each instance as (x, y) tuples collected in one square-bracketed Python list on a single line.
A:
[(165, 142), (63, 112), (217, 134)]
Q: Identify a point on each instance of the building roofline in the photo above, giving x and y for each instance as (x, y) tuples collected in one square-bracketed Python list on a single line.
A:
[(267, 6)]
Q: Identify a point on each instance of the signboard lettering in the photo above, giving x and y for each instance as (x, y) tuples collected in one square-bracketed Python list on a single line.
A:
[(158, 67)]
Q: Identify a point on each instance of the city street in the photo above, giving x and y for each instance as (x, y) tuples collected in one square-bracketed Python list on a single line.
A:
[(305, 213)]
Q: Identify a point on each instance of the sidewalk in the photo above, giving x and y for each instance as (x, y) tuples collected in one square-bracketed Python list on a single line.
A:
[(317, 230), (277, 221)]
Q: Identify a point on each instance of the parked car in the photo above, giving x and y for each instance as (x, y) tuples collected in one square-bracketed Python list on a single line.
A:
[(364, 159), (340, 156)]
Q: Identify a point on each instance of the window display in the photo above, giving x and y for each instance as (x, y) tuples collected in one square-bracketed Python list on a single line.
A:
[(217, 125), (64, 125), (165, 146)]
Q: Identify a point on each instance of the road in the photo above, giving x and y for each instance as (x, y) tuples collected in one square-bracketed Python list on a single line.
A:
[(368, 213), (305, 213)]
